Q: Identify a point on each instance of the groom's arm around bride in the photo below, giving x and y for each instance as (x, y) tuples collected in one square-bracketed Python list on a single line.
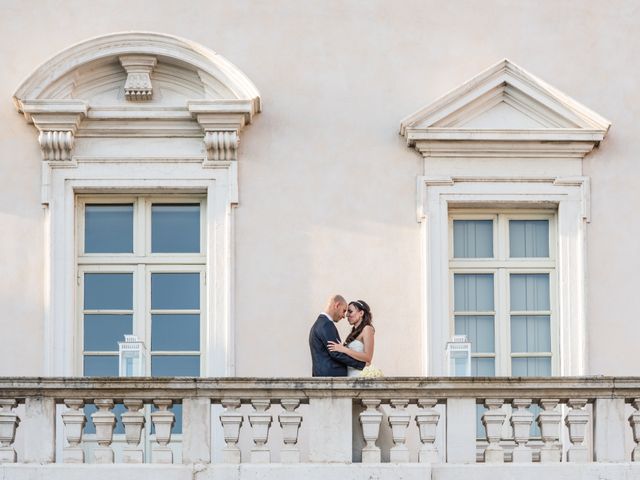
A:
[(326, 363)]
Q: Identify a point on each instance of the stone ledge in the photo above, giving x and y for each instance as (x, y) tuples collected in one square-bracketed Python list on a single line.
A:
[(278, 471)]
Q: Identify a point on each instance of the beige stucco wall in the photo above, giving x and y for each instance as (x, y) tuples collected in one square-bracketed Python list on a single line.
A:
[(327, 186)]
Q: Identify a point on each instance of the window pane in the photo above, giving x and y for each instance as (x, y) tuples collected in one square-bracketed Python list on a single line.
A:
[(175, 291), (175, 366), (103, 332), (483, 367), (473, 238), (529, 238), (531, 367), (108, 291), (479, 331), (530, 292), (101, 365), (530, 333), (473, 292), (175, 228), (175, 332), (108, 228)]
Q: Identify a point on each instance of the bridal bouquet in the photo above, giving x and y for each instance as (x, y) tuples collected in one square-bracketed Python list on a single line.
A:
[(371, 372)]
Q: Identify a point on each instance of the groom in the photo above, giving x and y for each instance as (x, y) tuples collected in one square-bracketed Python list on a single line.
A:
[(326, 363)]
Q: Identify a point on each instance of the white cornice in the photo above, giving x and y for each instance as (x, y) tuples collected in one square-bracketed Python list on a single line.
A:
[(563, 126)]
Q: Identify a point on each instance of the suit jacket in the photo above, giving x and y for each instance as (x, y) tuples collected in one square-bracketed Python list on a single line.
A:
[(326, 363)]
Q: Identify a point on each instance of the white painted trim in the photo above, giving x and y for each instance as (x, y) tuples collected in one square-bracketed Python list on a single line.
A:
[(117, 177), (571, 198)]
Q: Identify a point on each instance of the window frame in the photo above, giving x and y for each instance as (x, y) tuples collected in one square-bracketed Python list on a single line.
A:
[(501, 265), (568, 196)]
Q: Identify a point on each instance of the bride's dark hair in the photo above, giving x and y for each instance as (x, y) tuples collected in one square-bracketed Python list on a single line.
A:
[(362, 306)]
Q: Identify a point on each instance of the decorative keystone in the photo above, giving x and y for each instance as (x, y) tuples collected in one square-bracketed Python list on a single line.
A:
[(138, 85), (74, 421), (231, 421), (8, 423)]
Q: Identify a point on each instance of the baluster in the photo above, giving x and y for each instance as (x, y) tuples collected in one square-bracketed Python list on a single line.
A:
[(290, 424), (260, 422), (521, 420), (399, 421), (74, 421), (427, 421), (8, 423), (492, 420), (104, 420), (634, 421), (576, 420), (231, 421), (370, 419), (162, 420), (549, 422), (133, 421)]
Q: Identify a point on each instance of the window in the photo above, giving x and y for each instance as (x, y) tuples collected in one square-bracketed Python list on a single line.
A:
[(141, 270), (503, 272)]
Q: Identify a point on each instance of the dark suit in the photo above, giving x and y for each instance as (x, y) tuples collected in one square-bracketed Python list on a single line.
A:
[(326, 363)]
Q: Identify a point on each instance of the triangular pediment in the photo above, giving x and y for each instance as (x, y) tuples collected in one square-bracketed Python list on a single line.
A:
[(507, 103)]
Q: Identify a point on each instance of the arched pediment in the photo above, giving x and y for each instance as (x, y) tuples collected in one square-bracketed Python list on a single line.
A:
[(137, 84)]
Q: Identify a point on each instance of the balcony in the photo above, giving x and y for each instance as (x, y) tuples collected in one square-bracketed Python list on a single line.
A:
[(175, 428)]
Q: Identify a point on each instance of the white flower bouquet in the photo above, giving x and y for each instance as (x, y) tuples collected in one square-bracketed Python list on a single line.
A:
[(371, 372)]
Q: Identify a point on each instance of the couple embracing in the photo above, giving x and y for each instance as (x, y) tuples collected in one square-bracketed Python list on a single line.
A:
[(329, 356)]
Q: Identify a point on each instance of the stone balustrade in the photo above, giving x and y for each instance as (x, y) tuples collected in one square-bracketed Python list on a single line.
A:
[(425, 420)]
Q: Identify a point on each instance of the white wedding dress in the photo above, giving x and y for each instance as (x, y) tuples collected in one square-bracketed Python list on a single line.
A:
[(358, 346)]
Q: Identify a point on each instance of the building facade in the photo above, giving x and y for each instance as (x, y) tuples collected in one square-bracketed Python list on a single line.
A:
[(204, 176)]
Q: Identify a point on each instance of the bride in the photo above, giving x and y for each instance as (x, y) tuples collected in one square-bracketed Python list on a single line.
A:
[(359, 343)]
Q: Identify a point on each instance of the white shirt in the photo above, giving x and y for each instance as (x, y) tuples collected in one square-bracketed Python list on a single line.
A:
[(326, 315)]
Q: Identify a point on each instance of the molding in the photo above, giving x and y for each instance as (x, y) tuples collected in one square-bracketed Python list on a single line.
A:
[(571, 197), (139, 67), (563, 127)]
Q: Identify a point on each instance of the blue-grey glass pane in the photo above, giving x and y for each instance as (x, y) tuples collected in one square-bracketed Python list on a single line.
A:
[(531, 367), (175, 228), (108, 291), (103, 332), (473, 238), (530, 333), (175, 366), (177, 411), (101, 365), (529, 292), (175, 332), (528, 238), (118, 410), (175, 291), (108, 228), (473, 292), (483, 367), (535, 429), (479, 331)]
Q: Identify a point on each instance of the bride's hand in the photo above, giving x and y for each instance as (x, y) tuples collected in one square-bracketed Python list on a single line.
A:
[(336, 347)]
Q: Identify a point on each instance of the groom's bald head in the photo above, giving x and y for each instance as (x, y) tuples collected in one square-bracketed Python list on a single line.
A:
[(336, 307)]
